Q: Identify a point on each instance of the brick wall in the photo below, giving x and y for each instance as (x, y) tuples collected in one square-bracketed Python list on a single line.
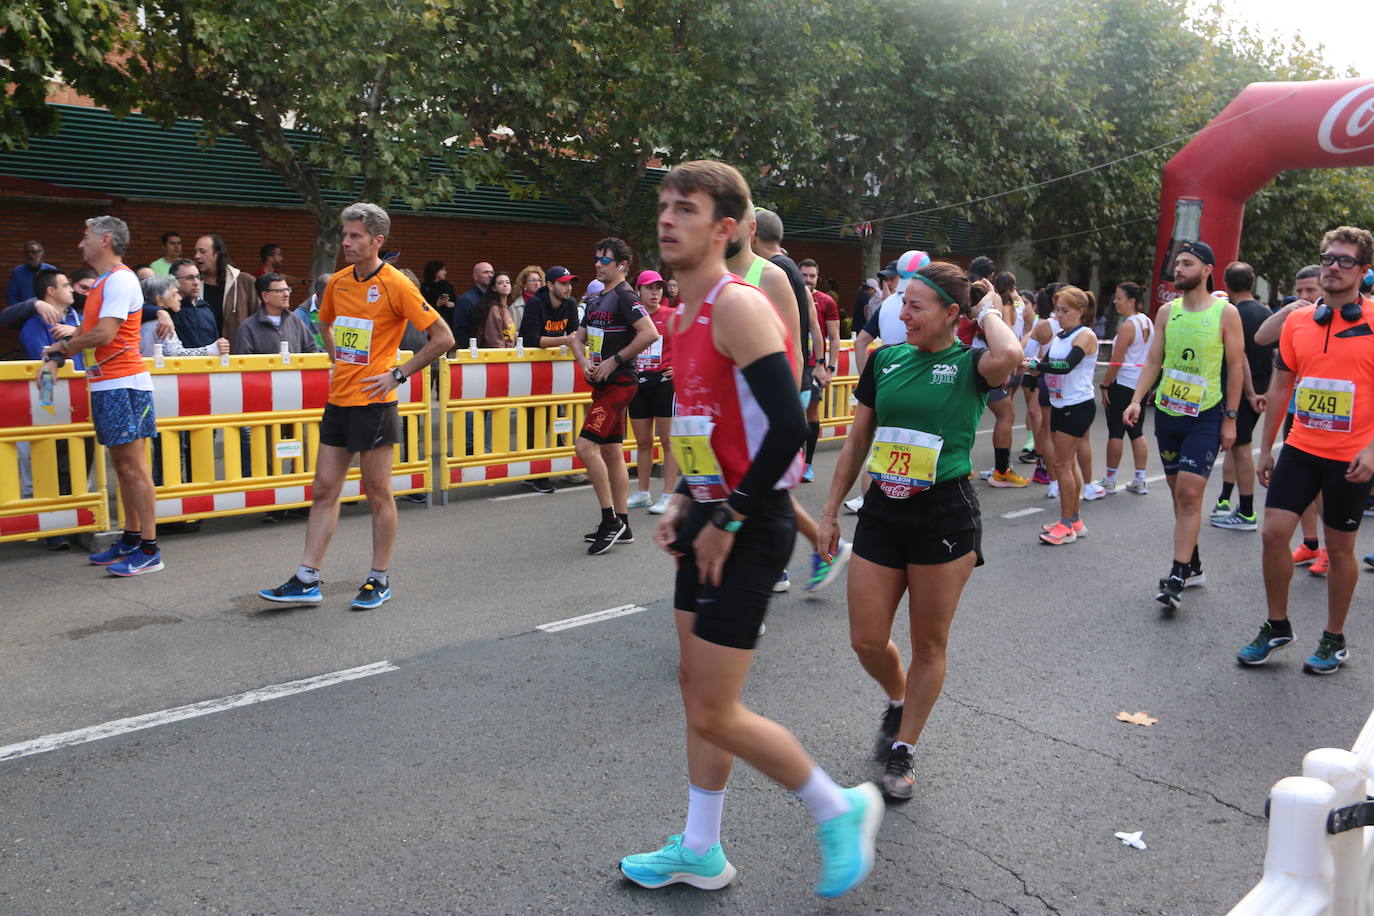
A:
[(58, 224)]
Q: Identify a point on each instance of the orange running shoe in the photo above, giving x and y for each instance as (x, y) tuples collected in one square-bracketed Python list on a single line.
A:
[(1302, 554), (1320, 565)]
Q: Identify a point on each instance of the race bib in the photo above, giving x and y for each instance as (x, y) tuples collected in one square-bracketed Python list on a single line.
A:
[(1054, 384), (1182, 393), (596, 337), (696, 460), (651, 359), (903, 461), (93, 370), (353, 340), (1325, 403)]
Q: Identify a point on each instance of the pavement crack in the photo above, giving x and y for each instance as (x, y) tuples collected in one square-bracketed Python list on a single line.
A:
[(1201, 794)]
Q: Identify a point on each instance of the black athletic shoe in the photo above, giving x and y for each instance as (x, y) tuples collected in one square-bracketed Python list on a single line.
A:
[(607, 535), (539, 485), (1028, 456), (1170, 592), (626, 538), (899, 779), (887, 732)]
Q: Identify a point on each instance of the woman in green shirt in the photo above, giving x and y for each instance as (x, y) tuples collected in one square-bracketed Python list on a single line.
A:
[(920, 530)]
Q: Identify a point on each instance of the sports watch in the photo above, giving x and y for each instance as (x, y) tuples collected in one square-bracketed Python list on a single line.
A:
[(724, 519), (1230, 414), (398, 375)]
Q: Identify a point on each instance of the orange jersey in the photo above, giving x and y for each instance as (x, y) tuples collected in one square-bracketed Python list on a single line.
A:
[(115, 295), (368, 317), (1333, 370)]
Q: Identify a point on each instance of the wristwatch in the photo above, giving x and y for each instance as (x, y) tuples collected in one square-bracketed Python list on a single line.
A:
[(724, 519), (620, 360), (829, 368), (398, 375), (1230, 414)]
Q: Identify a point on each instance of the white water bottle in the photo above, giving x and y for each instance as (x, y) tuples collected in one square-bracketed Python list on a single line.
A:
[(285, 353)]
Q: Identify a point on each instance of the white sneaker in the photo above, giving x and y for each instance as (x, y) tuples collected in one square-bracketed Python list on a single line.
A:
[(640, 499), (1052, 491), (1137, 486), (986, 475), (661, 506), (1093, 491), (1108, 485), (855, 504)]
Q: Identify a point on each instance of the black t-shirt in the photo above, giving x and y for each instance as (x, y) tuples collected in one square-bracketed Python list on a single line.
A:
[(794, 276), (214, 297), (543, 319), (611, 318), (1260, 357)]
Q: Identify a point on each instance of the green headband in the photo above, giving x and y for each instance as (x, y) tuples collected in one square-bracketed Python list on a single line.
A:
[(933, 285)]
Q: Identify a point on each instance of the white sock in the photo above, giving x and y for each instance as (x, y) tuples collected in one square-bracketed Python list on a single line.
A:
[(822, 796), (1139, 474), (308, 574), (703, 819), (380, 576), (1111, 473), (896, 704), (910, 748)]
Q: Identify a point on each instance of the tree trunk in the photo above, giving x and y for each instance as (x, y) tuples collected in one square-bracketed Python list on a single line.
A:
[(328, 235), (872, 248)]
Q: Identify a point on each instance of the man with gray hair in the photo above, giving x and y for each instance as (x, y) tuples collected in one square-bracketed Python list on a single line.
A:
[(362, 316), (121, 390)]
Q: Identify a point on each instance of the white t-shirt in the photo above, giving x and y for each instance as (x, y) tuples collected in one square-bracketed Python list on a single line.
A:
[(1129, 374), (122, 297)]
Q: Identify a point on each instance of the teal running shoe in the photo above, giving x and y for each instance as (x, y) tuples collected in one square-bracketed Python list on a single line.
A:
[(1331, 652), (847, 842), (823, 573), (372, 595), (676, 864), (1258, 650), (294, 591)]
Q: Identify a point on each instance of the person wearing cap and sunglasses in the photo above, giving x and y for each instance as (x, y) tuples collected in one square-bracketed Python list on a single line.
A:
[(1326, 358), (652, 407), (1196, 336)]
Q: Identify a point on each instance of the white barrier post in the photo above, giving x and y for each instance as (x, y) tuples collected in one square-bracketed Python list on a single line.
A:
[(1342, 771), (1298, 867)]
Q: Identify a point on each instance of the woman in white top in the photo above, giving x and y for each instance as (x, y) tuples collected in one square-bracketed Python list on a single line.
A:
[(1129, 349), (1035, 344), (161, 290), (1068, 368)]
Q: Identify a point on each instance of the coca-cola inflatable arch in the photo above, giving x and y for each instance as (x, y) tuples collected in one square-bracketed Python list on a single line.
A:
[(1267, 129)]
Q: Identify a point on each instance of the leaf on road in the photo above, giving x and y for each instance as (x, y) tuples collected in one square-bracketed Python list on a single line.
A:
[(1137, 718)]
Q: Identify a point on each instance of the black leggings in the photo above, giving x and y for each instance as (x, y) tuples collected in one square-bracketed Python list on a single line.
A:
[(1118, 397)]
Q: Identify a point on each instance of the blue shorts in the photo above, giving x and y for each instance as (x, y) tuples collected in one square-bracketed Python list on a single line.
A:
[(1189, 444), (123, 415)]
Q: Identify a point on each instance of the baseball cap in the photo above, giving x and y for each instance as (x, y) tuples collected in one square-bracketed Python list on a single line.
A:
[(554, 274), (649, 276), (1200, 250), (872, 284), (889, 271)]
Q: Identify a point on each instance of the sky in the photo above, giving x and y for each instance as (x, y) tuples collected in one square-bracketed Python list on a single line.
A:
[(1335, 23)]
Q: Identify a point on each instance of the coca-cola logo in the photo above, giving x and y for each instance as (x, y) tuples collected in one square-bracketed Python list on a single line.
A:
[(1346, 128)]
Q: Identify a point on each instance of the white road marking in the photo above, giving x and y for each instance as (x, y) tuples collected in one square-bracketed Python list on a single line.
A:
[(1020, 512), (595, 617), (203, 708), (497, 499)]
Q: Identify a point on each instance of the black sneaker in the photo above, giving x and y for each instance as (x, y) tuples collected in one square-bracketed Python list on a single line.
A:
[(887, 732), (607, 534), (1195, 576), (539, 485), (626, 538), (899, 779), (1170, 592), (1028, 456)]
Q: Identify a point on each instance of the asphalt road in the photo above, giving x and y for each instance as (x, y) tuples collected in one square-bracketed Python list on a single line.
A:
[(504, 769)]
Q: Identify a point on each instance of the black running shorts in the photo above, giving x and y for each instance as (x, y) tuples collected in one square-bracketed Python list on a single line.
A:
[(361, 428), (1299, 476), (944, 524), (1075, 419)]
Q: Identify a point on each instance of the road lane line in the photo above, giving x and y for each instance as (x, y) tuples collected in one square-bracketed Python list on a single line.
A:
[(1020, 512), (497, 499), (191, 711), (585, 619)]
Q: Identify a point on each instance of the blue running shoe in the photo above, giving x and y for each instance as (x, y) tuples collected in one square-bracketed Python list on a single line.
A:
[(136, 564), (294, 591), (112, 554), (1370, 559), (823, 573), (847, 841), (1258, 650), (808, 475), (373, 594), (676, 864), (1331, 652), (783, 583)]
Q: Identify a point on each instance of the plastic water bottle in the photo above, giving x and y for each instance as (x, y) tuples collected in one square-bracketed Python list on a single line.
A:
[(158, 359), (285, 353), (47, 379)]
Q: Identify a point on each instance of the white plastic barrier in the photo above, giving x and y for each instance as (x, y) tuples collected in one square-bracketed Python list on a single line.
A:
[(1318, 861)]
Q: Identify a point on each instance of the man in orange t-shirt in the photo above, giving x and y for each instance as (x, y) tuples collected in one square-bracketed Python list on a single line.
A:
[(1326, 356), (363, 314)]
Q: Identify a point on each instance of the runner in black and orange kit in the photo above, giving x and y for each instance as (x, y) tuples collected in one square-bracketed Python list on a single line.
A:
[(738, 431), (615, 330), (362, 316), (1326, 356)]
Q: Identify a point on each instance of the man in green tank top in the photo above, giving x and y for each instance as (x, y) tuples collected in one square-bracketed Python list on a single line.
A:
[(1198, 355)]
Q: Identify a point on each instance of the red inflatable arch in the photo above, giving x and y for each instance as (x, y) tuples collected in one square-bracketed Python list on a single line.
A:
[(1267, 129)]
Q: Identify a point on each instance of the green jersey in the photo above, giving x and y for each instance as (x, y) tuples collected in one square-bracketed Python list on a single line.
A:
[(1190, 378)]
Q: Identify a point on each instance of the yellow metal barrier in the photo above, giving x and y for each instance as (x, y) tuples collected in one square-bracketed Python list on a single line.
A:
[(239, 435), (837, 404), (52, 472)]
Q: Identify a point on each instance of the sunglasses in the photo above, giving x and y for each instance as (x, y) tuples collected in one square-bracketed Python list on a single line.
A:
[(1344, 260), (604, 261)]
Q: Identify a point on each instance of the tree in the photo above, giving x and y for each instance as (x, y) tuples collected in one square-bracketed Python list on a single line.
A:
[(335, 95), (44, 40)]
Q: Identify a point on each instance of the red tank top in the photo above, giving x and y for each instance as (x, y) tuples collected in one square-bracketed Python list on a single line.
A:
[(120, 358), (706, 384)]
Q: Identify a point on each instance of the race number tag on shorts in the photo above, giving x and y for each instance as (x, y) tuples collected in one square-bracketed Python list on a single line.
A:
[(595, 338), (651, 359), (1182, 392), (696, 460), (1326, 403), (903, 461), (352, 340)]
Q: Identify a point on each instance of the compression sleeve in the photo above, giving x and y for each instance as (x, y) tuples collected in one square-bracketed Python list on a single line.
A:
[(770, 382), (1061, 366)]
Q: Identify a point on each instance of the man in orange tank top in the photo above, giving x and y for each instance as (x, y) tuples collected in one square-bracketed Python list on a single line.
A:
[(121, 390)]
